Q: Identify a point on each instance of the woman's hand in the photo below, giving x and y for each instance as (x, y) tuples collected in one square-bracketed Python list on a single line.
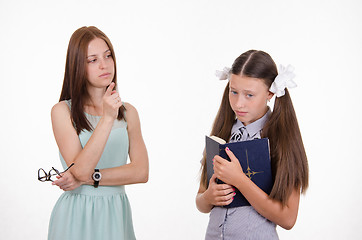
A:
[(136, 171), (219, 194), (67, 181), (111, 102), (228, 172)]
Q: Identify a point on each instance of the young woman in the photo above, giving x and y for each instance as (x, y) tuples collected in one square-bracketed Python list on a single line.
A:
[(245, 115), (95, 131)]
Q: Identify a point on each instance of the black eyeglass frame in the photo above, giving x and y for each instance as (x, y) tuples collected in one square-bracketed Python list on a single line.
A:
[(48, 176)]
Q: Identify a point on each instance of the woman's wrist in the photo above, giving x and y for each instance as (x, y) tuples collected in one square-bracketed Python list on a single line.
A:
[(89, 182), (107, 119)]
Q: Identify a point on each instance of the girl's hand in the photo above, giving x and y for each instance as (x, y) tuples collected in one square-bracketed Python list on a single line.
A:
[(67, 182), (228, 172), (219, 194), (111, 102)]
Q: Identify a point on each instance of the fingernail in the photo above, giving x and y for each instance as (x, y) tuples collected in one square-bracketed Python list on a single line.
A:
[(227, 149)]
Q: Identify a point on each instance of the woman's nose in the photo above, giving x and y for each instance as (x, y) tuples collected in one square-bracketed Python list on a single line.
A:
[(102, 64)]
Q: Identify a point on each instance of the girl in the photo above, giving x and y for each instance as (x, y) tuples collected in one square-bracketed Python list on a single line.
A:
[(95, 131), (245, 115)]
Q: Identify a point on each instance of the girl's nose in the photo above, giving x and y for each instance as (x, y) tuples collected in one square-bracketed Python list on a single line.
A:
[(241, 102)]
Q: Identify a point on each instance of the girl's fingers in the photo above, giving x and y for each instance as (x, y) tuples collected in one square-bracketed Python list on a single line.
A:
[(231, 155), (219, 170), (227, 197), (219, 160), (220, 194), (224, 186), (225, 191), (225, 200), (212, 179)]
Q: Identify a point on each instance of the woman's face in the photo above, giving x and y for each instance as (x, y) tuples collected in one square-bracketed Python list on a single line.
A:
[(248, 98), (100, 64)]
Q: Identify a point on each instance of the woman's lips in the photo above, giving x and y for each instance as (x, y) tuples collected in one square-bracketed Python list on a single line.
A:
[(105, 75)]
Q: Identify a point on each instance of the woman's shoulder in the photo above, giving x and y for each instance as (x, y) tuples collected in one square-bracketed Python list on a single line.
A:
[(130, 109), (131, 115), (62, 107)]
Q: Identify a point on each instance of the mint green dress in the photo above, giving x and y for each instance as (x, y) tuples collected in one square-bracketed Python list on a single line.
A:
[(96, 213)]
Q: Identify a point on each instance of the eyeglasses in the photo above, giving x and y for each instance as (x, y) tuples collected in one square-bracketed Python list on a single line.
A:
[(51, 175)]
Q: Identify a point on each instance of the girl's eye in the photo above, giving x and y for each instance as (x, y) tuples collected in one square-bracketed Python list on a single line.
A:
[(233, 92), (249, 95), (109, 56), (92, 60)]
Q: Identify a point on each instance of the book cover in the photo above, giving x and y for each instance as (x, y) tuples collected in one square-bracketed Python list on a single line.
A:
[(254, 158)]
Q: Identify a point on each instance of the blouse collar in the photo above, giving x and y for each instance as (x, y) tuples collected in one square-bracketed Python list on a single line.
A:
[(254, 127)]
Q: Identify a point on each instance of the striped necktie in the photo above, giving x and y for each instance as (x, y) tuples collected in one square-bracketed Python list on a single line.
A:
[(240, 135)]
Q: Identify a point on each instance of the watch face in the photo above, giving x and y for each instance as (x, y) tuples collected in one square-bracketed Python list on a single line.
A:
[(97, 176)]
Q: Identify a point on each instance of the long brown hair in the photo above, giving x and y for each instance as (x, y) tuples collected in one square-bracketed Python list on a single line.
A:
[(288, 158), (75, 76)]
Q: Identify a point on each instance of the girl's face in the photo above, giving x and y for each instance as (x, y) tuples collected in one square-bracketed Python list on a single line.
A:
[(100, 64), (248, 98)]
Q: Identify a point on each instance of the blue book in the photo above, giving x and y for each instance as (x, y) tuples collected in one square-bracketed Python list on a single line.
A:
[(254, 158)]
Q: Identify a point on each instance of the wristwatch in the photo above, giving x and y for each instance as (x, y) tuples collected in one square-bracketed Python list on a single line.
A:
[(97, 176)]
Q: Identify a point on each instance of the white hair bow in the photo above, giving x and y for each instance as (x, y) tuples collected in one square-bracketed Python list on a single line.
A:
[(224, 74), (283, 80)]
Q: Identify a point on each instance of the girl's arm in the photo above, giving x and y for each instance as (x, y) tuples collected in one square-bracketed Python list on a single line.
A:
[(232, 173), (214, 195)]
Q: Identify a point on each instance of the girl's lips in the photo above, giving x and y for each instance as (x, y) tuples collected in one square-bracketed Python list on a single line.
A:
[(240, 113)]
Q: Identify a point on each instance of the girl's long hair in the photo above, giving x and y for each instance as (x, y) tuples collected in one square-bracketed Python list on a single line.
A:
[(288, 158), (75, 76)]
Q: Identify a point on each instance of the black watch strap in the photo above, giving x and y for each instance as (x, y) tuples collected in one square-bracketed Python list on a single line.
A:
[(96, 177)]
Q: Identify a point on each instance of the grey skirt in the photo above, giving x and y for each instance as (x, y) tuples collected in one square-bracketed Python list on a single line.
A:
[(239, 223)]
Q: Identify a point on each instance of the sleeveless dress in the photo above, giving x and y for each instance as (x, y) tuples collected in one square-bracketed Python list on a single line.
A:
[(96, 213)]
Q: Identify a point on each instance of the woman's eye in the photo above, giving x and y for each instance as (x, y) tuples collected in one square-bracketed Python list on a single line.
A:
[(233, 92), (249, 95), (92, 60), (109, 56)]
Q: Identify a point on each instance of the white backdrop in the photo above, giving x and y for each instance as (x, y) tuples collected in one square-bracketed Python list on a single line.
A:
[(167, 52)]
